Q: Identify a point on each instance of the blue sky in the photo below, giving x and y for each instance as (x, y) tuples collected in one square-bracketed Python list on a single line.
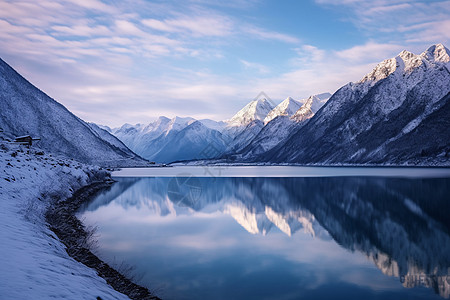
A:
[(113, 62)]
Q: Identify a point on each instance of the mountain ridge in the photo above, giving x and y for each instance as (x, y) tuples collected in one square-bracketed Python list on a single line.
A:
[(26, 110), (361, 119)]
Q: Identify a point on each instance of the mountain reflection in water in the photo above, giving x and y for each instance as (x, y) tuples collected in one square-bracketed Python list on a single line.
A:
[(401, 225)]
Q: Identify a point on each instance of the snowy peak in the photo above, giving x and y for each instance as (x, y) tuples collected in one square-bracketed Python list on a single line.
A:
[(255, 110), (315, 102), (311, 106), (178, 123), (406, 62), (437, 53), (381, 71), (216, 125), (287, 107)]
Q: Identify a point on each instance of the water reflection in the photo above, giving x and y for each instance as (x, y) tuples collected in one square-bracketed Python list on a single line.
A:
[(401, 226)]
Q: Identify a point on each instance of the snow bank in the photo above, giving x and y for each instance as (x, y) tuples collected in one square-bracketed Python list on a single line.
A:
[(33, 262)]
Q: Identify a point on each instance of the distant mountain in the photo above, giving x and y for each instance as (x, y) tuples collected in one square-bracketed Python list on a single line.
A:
[(160, 140), (310, 107), (25, 110), (242, 136), (281, 126), (195, 141), (148, 139), (287, 107), (397, 114), (246, 124), (167, 140), (255, 110)]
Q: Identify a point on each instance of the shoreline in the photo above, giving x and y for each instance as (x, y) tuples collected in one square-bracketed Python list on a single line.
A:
[(62, 220)]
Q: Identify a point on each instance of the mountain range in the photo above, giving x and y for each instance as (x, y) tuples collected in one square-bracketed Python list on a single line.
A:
[(397, 114), (181, 139)]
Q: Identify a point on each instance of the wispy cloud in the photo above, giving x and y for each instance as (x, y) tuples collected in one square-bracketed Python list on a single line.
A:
[(198, 26), (415, 21), (129, 61), (260, 68), (271, 35), (369, 52)]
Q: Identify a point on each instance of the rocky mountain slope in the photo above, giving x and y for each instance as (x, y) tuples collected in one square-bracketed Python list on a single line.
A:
[(25, 110), (397, 114)]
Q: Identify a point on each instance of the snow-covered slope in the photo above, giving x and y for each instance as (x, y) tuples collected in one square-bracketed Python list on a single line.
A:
[(146, 140), (281, 127), (287, 107), (244, 136), (107, 136), (34, 263), (195, 141), (397, 114), (246, 124), (268, 137), (255, 110), (167, 140), (310, 107), (216, 125), (25, 110)]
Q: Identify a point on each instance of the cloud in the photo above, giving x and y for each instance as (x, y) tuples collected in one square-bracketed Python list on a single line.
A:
[(371, 51), (307, 54), (260, 68), (198, 26), (131, 61), (270, 35), (316, 70), (81, 30), (414, 21), (158, 25)]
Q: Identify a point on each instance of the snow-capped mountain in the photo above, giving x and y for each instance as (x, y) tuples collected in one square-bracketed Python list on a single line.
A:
[(195, 141), (255, 110), (287, 107), (242, 137), (246, 124), (268, 137), (166, 140), (141, 137), (280, 127), (310, 107), (25, 110), (397, 114)]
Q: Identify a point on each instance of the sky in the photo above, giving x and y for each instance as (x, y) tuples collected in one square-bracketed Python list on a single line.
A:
[(116, 62)]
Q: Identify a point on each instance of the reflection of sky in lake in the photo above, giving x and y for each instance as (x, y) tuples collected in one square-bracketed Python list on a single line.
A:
[(206, 251)]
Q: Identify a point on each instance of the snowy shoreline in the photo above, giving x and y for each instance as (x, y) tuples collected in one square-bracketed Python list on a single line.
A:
[(63, 222), (35, 262)]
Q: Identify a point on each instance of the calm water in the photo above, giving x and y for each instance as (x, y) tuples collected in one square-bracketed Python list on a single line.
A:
[(313, 237)]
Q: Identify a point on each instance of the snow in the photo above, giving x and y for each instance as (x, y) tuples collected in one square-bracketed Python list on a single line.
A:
[(310, 107), (255, 110), (34, 263), (25, 110), (166, 140), (286, 108)]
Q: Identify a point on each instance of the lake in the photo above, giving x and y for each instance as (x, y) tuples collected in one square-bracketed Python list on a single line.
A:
[(278, 232)]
